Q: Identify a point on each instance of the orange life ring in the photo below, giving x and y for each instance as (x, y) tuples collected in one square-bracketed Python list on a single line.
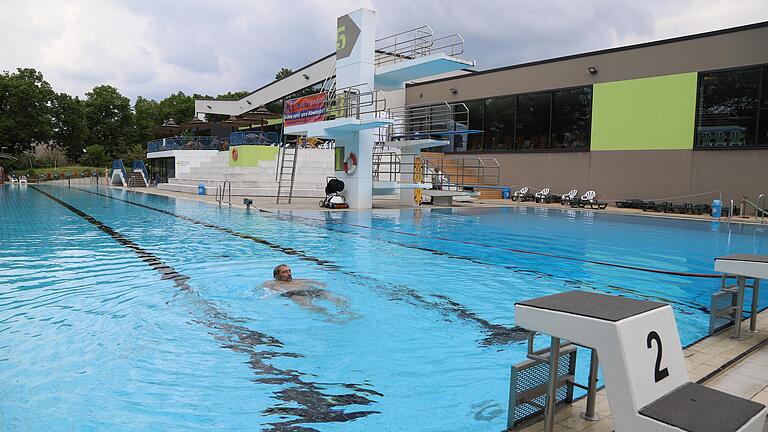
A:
[(350, 164), (234, 153)]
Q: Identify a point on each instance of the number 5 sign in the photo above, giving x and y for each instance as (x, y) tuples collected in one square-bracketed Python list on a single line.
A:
[(347, 33)]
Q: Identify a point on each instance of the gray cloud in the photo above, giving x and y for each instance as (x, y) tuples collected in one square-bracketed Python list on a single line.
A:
[(154, 48)]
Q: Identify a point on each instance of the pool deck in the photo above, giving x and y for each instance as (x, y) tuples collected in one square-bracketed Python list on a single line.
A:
[(268, 204), (738, 367)]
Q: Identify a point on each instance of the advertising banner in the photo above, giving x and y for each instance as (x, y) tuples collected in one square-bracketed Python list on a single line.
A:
[(307, 109)]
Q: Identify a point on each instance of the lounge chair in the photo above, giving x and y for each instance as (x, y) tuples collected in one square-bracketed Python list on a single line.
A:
[(23, 180), (567, 198), (519, 195), (12, 179), (630, 203), (588, 199), (541, 195)]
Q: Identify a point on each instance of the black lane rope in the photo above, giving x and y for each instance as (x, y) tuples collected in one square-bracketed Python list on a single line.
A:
[(506, 249), (314, 406), (496, 334)]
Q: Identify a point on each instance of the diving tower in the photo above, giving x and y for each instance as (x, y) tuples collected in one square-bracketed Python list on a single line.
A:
[(352, 108)]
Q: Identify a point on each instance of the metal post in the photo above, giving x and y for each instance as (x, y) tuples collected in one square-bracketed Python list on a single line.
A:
[(755, 298), (739, 306), (554, 356), (589, 414)]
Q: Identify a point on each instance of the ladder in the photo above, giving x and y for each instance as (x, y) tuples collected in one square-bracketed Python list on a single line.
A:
[(378, 152), (287, 172)]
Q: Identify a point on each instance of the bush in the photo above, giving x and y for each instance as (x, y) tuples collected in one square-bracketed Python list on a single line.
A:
[(94, 156)]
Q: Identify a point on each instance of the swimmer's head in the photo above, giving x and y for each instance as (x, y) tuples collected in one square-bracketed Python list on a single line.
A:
[(282, 273)]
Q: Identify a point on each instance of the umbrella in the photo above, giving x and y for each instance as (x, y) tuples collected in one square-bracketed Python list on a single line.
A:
[(259, 115), (197, 124), (235, 121), (166, 129)]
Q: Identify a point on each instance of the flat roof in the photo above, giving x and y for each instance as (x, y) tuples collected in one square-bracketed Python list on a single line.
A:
[(604, 51)]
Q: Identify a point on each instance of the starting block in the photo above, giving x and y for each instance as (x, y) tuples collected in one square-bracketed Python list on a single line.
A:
[(645, 375)]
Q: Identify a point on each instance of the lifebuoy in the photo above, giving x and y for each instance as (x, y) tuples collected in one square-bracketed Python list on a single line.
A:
[(350, 164), (234, 153)]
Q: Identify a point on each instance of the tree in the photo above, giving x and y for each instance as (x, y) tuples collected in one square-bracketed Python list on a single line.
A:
[(109, 119), (282, 73), (94, 156), (25, 109), (146, 116), (233, 95), (178, 106), (69, 128)]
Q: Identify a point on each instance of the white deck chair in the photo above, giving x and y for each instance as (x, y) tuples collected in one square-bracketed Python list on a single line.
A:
[(521, 193), (540, 195), (12, 179), (23, 180), (568, 197)]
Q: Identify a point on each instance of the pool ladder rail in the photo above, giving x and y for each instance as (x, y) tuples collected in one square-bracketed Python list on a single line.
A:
[(225, 188)]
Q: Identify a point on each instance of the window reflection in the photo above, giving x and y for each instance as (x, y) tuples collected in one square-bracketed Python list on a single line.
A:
[(532, 132), (571, 122), (727, 108)]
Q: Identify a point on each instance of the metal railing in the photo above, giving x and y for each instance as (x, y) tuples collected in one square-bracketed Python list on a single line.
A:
[(353, 101), (460, 172), (760, 211), (117, 164), (184, 143), (254, 138), (415, 43), (221, 190), (426, 121)]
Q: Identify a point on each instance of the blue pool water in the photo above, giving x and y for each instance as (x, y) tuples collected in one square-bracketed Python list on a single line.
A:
[(123, 311)]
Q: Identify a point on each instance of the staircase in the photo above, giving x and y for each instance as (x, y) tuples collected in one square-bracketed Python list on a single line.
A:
[(457, 173), (312, 166), (136, 180), (287, 173)]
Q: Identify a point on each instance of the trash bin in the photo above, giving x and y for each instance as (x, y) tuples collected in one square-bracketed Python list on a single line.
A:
[(717, 207), (201, 189), (505, 193)]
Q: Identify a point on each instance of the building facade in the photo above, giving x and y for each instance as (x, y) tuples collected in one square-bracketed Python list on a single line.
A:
[(684, 117)]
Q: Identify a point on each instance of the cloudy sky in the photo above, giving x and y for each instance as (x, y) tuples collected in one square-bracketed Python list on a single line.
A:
[(154, 48)]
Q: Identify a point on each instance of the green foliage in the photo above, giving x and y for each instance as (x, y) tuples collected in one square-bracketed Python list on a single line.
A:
[(282, 73), (68, 122), (179, 107), (94, 156), (233, 95), (25, 101), (109, 119)]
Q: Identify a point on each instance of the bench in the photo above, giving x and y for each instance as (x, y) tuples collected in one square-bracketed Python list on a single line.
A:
[(645, 374), (445, 197)]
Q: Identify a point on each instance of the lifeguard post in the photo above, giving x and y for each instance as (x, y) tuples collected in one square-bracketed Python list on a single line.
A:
[(352, 108)]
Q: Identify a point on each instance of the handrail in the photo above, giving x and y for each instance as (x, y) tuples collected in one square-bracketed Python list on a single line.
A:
[(424, 121), (352, 102), (759, 211), (184, 143), (139, 164), (415, 43), (221, 189), (761, 204)]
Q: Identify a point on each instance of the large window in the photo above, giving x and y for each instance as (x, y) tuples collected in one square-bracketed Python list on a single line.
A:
[(731, 109), (571, 119), (545, 121)]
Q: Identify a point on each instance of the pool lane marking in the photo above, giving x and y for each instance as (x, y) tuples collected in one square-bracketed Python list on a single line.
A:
[(317, 407), (521, 251), (497, 333)]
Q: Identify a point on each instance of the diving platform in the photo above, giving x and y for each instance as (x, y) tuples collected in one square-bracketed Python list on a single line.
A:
[(393, 76), (332, 129)]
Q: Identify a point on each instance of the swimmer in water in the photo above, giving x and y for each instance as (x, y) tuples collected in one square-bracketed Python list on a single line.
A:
[(303, 292)]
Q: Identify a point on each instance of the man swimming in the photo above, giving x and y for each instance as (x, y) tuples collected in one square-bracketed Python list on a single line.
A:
[(302, 291)]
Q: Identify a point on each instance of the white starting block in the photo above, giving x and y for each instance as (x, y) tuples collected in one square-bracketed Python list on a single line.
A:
[(645, 375), (743, 266)]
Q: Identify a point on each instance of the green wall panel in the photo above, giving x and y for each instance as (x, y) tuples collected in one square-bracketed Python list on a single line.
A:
[(644, 114), (250, 155)]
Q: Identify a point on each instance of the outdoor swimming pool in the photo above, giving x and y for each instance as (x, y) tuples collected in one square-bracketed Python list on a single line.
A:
[(126, 311)]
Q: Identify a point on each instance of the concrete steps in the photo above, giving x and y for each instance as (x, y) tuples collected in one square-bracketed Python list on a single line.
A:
[(245, 191)]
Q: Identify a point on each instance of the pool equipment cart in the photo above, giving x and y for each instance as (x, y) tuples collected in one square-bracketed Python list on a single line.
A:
[(728, 303), (333, 198), (645, 374)]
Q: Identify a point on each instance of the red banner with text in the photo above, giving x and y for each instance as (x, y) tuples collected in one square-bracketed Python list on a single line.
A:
[(307, 109)]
